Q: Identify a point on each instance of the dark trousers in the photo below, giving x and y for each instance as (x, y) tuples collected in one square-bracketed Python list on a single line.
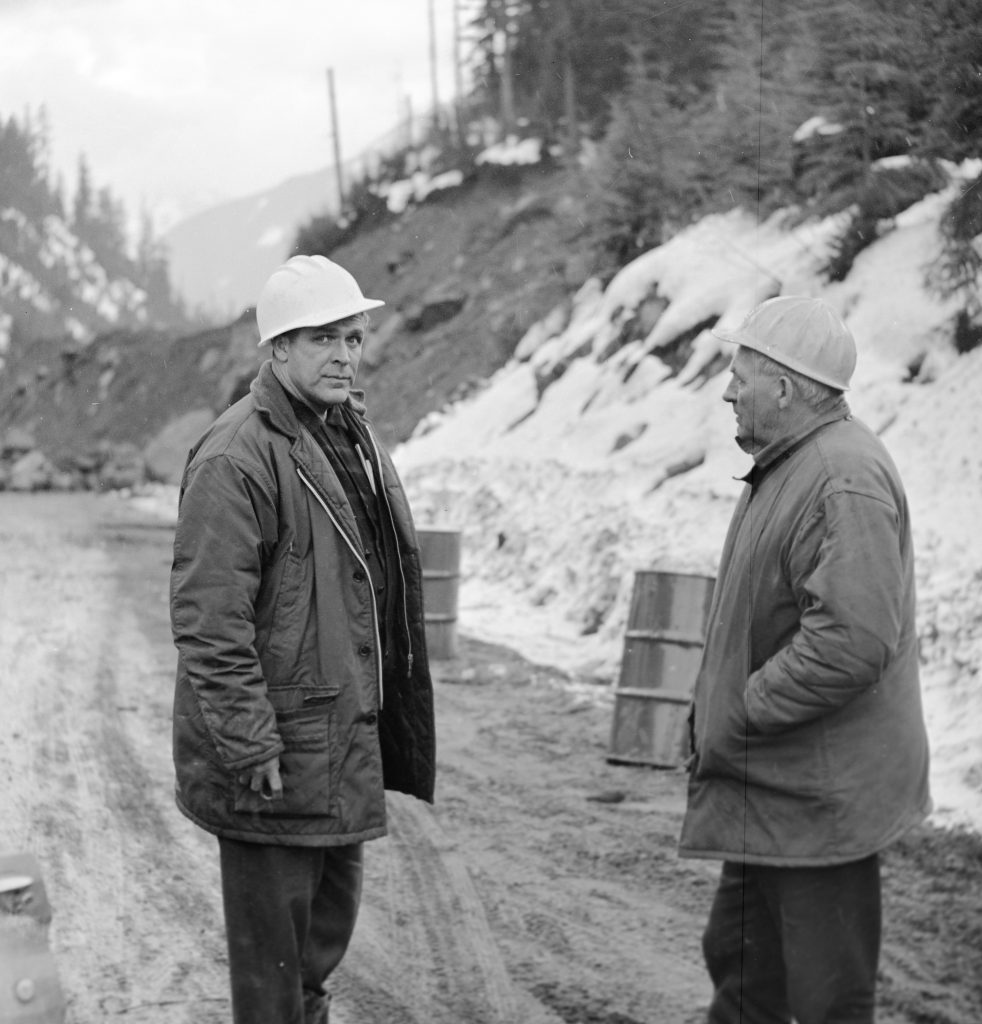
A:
[(289, 915), (794, 942)]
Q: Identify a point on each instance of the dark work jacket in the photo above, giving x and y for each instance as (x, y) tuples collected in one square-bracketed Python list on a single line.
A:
[(277, 633), (810, 745)]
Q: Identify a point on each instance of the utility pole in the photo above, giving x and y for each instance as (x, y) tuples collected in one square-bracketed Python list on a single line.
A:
[(433, 81), (458, 75), (410, 121), (336, 139)]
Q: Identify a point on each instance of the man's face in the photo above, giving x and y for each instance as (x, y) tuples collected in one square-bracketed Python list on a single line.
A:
[(755, 397), (322, 362)]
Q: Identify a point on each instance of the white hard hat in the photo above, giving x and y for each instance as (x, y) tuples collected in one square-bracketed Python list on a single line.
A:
[(308, 291), (802, 334)]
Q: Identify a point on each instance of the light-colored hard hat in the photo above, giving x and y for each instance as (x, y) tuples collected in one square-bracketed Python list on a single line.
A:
[(308, 291), (802, 334)]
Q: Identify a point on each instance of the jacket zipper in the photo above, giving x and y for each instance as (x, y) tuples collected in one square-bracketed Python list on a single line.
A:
[(361, 561)]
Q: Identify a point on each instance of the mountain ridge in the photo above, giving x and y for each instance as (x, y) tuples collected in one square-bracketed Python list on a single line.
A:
[(220, 256)]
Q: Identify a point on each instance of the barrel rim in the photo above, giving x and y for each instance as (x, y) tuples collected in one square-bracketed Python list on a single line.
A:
[(672, 572)]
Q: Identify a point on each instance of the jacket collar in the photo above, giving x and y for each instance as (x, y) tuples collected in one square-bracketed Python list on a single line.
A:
[(781, 450), (272, 401)]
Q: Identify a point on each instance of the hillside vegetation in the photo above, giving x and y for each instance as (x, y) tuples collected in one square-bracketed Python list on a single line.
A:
[(644, 118), (686, 109), (462, 277), (68, 268)]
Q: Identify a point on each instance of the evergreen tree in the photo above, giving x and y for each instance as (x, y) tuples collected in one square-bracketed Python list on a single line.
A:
[(865, 82), (23, 166), (679, 145), (42, 143), (952, 34), (99, 221), (58, 197), (97, 217), (487, 23), (83, 202), (645, 164), (153, 274), (568, 59), (744, 117), (106, 234), (571, 57)]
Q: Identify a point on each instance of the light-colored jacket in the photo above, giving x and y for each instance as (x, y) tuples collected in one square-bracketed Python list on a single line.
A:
[(808, 733), (278, 642)]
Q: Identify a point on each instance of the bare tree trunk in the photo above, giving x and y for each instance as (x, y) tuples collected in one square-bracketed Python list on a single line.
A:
[(569, 89), (458, 76), (507, 85), (434, 87)]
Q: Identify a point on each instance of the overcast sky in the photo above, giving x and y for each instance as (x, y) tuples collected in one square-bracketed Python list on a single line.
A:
[(179, 104)]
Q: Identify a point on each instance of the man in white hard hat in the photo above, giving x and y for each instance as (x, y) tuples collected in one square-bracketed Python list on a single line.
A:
[(809, 748), (303, 690)]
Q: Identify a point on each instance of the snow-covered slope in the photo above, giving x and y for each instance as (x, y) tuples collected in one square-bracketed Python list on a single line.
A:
[(604, 447), (52, 284)]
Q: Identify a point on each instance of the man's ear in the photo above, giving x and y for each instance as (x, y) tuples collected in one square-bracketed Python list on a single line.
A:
[(279, 346), (785, 391)]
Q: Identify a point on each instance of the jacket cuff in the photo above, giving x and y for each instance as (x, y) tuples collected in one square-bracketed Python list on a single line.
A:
[(253, 759)]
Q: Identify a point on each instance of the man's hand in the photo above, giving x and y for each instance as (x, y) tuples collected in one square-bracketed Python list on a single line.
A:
[(264, 779)]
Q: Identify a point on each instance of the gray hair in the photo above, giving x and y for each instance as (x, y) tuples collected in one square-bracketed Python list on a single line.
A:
[(817, 396)]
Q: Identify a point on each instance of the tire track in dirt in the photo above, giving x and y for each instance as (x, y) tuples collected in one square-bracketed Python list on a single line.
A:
[(66, 824), (126, 938), (423, 952), (583, 938), (516, 897), (182, 974)]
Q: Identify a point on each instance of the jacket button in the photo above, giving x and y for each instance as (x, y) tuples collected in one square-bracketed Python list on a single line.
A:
[(365, 650), (371, 718), (358, 577)]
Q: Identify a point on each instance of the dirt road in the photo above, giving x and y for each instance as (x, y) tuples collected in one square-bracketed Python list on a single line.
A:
[(542, 888)]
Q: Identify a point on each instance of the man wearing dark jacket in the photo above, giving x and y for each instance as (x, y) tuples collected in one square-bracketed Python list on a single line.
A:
[(809, 748), (303, 690)]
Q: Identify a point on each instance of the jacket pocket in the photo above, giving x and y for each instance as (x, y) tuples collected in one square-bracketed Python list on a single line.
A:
[(305, 768)]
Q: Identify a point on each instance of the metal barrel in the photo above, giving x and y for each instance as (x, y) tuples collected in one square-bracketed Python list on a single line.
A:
[(439, 551), (30, 991), (663, 643)]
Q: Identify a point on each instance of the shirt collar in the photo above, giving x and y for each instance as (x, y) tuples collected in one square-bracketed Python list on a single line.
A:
[(334, 416)]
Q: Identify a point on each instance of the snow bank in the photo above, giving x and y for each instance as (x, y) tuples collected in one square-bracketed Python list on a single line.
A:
[(604, 448), (586, 459)]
